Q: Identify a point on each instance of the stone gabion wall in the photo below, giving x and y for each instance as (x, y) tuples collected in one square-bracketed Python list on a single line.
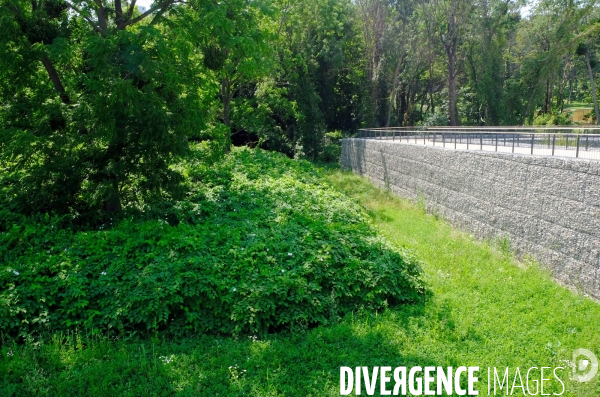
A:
[(548, 207)]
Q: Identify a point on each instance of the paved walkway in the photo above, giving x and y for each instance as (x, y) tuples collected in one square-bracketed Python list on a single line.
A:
[(539, 150)]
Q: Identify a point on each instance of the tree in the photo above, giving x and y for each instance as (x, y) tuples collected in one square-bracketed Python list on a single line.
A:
[(583, 50), (122, 101), (234, 43), (450, 18)]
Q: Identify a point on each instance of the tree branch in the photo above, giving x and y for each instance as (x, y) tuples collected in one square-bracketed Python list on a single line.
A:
[(101, 15), (118, 13), (56, 80), (80, 12), (130, 10), (159, 6)]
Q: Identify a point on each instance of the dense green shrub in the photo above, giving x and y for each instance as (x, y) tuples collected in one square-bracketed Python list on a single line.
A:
[(554, 118), (435, 119), (260, 244), (332, 148)]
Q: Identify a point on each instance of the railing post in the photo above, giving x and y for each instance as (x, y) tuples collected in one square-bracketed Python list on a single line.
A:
[(481, 141), (566, 142), (443, 139), (532, 143), (434, 134), (455, 138), (496, 142), (553, 143), (468, 138), (577, 150), (393, 135), (587, 141)]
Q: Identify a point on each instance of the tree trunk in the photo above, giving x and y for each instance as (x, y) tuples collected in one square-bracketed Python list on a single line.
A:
[(570, 90), (546, 98), (56, 80), (560, 102), (394, 90), (451, 88), (431, 109), (226, 97), (593, 86)]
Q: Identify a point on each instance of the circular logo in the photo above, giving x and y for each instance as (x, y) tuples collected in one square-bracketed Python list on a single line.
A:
[(589, 363)]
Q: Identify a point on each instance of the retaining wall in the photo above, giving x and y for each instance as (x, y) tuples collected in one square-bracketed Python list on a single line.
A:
[(548, 207)]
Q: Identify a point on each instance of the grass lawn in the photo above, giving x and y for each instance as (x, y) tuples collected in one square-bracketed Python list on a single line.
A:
[(485, 310), (576, 105)]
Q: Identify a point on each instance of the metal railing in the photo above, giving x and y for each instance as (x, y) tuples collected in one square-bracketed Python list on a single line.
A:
[(561, 141)]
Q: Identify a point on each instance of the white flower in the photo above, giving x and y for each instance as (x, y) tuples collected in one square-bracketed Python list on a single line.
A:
[(282, 271), (234, 289), (267, 249), (166, 360), (103, 273), (10, 353), (16, 273), (289, 254)]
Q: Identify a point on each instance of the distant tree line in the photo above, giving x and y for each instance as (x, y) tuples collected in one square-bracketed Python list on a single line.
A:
[(98, 100)]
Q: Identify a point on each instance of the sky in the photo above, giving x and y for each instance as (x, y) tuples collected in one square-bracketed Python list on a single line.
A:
[(145, 3)]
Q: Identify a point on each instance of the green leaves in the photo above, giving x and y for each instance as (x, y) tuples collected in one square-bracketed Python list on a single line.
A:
[(92, 123), (271, 248)]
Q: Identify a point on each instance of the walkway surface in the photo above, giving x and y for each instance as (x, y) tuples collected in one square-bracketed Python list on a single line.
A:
[(590, 153)]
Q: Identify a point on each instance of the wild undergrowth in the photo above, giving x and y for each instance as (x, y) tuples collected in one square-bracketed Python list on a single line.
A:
[(260, 244)]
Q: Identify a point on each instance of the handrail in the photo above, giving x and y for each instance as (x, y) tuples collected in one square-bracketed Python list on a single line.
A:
[(555, 143)]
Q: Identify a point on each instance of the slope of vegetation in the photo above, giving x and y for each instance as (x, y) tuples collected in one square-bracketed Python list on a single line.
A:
[(259, 244), (486, 309)]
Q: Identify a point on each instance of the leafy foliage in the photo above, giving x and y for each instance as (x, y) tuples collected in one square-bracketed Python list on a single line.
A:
[(261, 244), (117, 115)]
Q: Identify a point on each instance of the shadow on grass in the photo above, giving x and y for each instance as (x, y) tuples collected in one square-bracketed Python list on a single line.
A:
[(288, 364)]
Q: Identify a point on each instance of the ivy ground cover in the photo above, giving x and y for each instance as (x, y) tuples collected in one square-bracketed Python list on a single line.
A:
[(260, 244)]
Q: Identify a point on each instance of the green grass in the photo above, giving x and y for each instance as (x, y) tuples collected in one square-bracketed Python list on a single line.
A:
[(486, 309), (578, 105)]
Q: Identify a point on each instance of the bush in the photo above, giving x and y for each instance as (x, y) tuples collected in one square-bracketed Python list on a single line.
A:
[(332, 147), (554, 118), (435, 119), (259, 245)]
